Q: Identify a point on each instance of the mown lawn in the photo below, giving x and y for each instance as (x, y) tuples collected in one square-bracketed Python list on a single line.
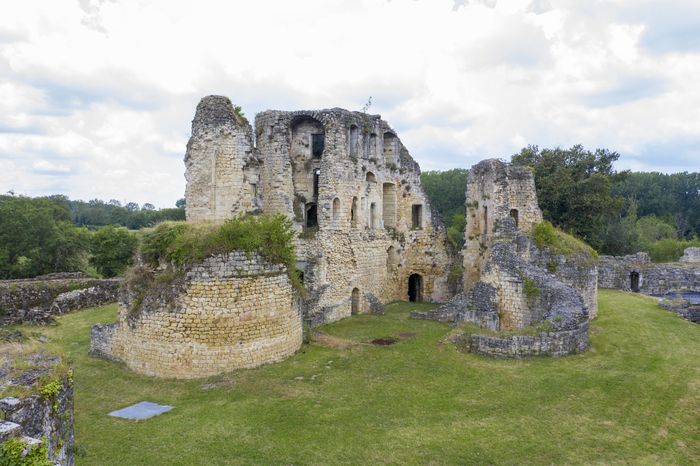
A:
[(633, 398)]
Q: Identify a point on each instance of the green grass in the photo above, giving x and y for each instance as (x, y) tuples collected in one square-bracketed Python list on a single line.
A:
[(633, 398)]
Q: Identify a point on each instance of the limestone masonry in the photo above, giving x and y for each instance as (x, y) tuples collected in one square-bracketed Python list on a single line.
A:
[(230, 312), (367, 235), (509, 283)]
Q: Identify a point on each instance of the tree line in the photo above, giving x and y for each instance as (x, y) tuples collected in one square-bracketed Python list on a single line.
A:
[(579, 191), (55, 234)]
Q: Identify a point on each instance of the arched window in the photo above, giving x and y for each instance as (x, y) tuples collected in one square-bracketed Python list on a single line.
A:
[(353, 213), (354, 140), (370, 177), (336, 211), (372, 152), (389, 148), (372, 216)]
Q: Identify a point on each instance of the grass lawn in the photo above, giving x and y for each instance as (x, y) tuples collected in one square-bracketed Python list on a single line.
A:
[(634, 397)]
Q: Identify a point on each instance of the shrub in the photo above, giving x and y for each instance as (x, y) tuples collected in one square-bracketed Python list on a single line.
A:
[(545, 235), (181, 243), (669, 250)]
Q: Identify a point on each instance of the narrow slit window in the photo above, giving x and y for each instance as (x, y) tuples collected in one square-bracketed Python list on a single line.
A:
[(318, 142), (417, 216)]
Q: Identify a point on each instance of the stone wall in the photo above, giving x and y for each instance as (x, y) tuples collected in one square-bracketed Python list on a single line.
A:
[(36, 300), (349, 185), (229, 312), (521, 346), (691, 255), (45, 412), (637, 273)]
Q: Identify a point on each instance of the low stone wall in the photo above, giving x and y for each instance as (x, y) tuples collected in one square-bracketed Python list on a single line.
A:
[(37, 299), (46, 414), (558, 343), (637, 273), (683, 308), (230, 312)]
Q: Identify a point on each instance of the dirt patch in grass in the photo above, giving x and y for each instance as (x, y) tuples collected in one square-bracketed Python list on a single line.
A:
[(407, 335), (386, 341)]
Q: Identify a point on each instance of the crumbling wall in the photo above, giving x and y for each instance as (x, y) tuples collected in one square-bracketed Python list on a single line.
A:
[(637, 273), (44, 413), (509, 283), (229, 312), (365, 210), (222, 169), (496, 193), (36, 300)]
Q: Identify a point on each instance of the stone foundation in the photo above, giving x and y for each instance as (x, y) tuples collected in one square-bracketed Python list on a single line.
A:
[(558, 343), (230, 312)]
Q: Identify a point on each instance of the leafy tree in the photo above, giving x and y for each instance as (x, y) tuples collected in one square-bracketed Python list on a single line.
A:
[(446, 191), (112, 250), (574, 188), (181, 203), (37, 237)]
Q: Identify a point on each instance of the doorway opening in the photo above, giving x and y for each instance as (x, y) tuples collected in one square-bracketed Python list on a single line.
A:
[(634, 282), (415, 288), (355, 301)]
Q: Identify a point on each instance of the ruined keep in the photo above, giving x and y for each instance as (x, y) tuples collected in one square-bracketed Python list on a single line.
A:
[(511, 284), (367, 235), (367, 232)]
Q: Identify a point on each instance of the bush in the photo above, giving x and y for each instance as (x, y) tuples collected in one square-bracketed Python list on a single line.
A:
[(670, 250), (112, 250), (182, 243), (12, 453)]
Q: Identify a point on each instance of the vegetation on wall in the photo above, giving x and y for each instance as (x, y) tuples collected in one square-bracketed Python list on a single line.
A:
[(182, 243)]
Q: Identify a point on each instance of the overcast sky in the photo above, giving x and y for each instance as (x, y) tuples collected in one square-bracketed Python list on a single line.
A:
[(97, 96)]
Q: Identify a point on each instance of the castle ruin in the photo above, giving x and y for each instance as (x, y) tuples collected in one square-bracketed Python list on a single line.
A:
[(366, 235)]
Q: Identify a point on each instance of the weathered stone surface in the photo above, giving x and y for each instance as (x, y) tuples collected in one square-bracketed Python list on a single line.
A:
[(43, 413), (105, 292), (231, 311), (691, 255)]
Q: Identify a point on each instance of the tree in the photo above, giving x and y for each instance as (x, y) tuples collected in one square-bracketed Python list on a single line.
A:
[(574, 188), (446, 191), (37, 237), (112, 250), (181, 203)]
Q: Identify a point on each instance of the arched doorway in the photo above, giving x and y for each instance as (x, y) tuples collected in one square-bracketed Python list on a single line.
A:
[(355, 301), (634, 281), (415, 288)]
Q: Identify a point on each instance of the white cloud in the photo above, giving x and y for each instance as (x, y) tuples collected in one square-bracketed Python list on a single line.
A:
[(96, 96)]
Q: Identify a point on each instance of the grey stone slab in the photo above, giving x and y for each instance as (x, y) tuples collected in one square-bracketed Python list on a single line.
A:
[(142, 410)]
